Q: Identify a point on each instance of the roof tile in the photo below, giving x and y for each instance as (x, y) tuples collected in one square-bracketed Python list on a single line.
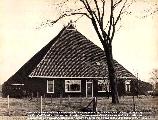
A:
[(73, 55)]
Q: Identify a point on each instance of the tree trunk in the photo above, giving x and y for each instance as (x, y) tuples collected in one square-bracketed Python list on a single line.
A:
[(111, 73)]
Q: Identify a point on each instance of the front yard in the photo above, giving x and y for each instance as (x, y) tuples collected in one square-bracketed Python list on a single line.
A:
[(20, 107)]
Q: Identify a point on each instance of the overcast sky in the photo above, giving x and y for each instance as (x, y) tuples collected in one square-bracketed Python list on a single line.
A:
[(135, 45)]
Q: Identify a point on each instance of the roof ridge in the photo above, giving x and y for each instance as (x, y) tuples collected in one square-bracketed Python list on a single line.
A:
[(71, 26), (62, 59)]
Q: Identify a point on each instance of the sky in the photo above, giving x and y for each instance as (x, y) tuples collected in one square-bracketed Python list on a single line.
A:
[(135, 45)]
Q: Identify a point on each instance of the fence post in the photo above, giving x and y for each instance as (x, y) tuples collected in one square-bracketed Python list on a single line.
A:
[(8, 105), (44, 96), (37, 94), (80, 100), (133, 104), (32, 95), (69, 101), (41, 105), (60, 99), (95, 104), (51, 99), (60, 102)]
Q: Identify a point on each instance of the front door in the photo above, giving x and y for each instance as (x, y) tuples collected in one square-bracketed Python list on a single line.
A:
[(89, 88)]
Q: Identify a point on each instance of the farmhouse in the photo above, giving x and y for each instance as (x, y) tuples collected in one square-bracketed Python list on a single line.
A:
[(70, 64)]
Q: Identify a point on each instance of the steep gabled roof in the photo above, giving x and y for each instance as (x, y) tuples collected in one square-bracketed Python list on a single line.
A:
[(73, 55)]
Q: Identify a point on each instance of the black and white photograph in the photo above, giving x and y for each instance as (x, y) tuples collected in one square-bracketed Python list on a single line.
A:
[(78, 60)]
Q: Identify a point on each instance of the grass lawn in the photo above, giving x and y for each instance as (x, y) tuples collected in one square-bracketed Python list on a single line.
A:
[(20, 107)]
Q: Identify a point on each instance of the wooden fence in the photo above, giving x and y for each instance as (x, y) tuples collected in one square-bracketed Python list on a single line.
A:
[(20, 107), (13, 106)]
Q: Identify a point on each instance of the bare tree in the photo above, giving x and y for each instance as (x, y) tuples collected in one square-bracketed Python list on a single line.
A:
[(154, 77), (151, 9), (105, 27)]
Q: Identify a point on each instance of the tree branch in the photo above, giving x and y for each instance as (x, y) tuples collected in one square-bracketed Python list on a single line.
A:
[(155, 75), (111, 18), (96, 4), (117, 3), (102, 16), (65, 15), (86, 6), (113, 31), (93, 19), (97, 18), (106, 25), (92, 13), (82, 14), (101, 37), (118, 17)]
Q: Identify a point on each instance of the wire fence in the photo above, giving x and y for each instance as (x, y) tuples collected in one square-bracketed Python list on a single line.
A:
[(20, 107)]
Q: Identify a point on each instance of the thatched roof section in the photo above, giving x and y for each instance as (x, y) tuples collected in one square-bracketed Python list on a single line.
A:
[(73, 55)]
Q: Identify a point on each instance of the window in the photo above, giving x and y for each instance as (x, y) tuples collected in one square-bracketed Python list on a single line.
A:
[(50, 86), (72, 85), (127, 86), (103, 86)]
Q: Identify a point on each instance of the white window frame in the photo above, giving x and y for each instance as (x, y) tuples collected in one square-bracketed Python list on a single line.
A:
[(128, 82), (89, 81), (72, 91), (47, 86), (107, 83)]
